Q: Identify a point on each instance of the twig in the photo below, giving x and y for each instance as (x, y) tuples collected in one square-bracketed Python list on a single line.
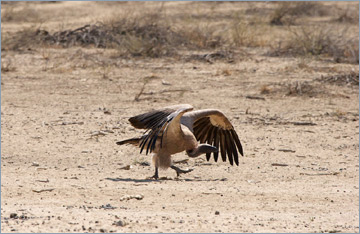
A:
[(137, 96), (98, 133), (287, 150), (173, 90), (108, 130), (44, 181), (279, 165), (304, 123), (255, 97), (42, 190), (81, 28), (69, 123), (320, 174)]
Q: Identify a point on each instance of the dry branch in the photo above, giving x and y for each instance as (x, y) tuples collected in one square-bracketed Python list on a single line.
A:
[(255, 97), (320, 174), (42, 190), (279, 165)]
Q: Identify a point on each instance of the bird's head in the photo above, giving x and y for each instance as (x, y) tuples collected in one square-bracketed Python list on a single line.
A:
[(202, 149)]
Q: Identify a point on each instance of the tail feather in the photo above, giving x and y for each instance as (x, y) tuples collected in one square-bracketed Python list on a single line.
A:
[(132, 141)]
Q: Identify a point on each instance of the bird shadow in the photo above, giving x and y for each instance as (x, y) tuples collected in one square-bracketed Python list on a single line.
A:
[(132, 180), (162, 179)]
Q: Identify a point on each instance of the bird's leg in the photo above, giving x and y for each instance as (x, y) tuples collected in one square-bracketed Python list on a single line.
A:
[(156, 175), (180, 171)]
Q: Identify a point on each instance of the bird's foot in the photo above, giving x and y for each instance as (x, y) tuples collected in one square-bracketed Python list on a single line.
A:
[(154, 177), (181, 171)]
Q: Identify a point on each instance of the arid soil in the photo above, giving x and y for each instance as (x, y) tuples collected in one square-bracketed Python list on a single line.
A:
[(63, 109)]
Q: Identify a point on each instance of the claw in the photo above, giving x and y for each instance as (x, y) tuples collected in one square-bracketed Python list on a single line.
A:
[(180, 171), (155, 176)]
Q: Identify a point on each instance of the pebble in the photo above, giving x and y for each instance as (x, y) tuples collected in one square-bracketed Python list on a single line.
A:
[(217, 212), (120, 223)]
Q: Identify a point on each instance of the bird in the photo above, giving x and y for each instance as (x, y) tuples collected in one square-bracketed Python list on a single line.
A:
[(178, 128)]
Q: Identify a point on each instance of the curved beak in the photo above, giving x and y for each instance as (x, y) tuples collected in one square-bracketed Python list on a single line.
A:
[(205, 149)]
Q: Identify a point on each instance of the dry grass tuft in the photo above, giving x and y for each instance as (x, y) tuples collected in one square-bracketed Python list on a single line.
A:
[(301, 88), (202, 37), (351, 78), (26, 39), (213, 36), (287, 12), (316, 40), (348, 16), (265, 89), (7, 66), (26, 14), (224, 55), (149, 36)]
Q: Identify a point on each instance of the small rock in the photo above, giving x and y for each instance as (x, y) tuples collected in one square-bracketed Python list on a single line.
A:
[(107, 206), (165, 82), (128, 167), (102, 230), (128, 197), (146, 164), (13, 216), (217, 212), (120, 223)]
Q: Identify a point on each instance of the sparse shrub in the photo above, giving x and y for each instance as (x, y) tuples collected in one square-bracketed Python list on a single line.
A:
[(26, 14), (148, 37), (348, 16), (202, 36), (155, 34), (241, 34), (300, 88), (286, 12), (7, 66), (351, 78), (316, 40), (23, 39)]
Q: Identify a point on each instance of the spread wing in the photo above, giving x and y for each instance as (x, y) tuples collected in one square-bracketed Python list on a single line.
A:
[(212, 127), (157, 122)]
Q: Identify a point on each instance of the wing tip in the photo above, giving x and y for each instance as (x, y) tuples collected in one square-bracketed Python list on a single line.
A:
[(135, 122)]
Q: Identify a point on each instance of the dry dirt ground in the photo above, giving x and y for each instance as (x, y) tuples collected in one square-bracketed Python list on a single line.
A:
[(62, 110)]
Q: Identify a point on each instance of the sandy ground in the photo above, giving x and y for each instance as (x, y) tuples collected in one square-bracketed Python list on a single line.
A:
[(61, 170)]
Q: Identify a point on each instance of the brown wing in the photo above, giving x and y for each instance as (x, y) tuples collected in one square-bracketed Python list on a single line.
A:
[(156, 122), (215, 129), (150, 120)]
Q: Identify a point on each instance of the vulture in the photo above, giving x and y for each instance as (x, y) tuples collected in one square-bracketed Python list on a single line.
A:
[(178, 128)]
